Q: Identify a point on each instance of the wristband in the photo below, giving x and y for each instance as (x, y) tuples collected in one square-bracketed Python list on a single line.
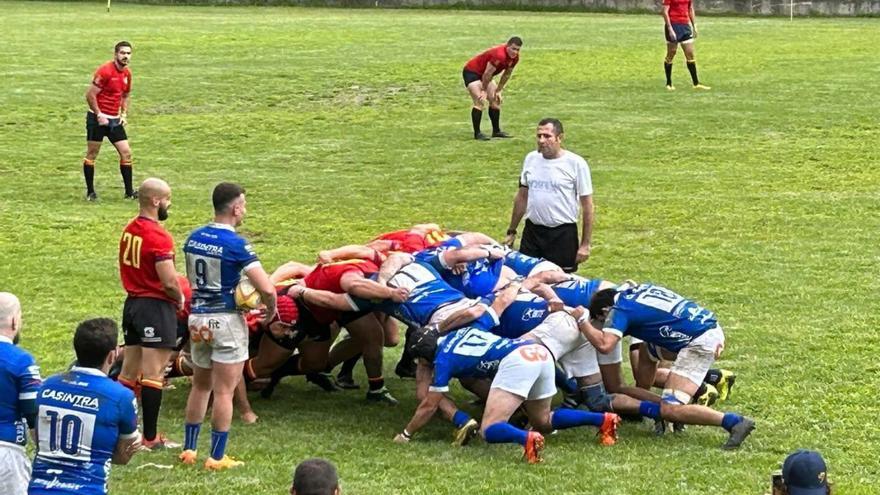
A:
[(407, 435), (511, 231)]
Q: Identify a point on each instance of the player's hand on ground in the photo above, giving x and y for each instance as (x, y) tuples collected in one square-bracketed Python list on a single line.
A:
[(509, 239), (399, 294), (400, 438), (582, 254)]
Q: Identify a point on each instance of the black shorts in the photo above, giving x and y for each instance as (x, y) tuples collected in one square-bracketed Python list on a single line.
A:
[(683, 33), (149, 322), (114, 131), (557, 244), (469, 77)]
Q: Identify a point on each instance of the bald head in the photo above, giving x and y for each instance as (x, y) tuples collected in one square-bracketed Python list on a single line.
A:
[(10, 313), (153, 188)]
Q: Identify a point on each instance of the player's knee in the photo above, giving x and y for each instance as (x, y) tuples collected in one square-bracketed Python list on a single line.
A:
[(597, 399), (392, 341)]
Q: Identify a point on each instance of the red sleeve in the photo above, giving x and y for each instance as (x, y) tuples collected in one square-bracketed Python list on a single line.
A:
[(99, 78), (161, 246), (667, 2)]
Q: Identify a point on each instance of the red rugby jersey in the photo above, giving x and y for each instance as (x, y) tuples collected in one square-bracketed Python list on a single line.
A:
[(408, 242), (679, 11), (327, 277), (497, 55), (114, 83), (143, 244)]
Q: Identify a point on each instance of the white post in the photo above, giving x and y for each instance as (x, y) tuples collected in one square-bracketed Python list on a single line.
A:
[(791, 10), (108, 5)]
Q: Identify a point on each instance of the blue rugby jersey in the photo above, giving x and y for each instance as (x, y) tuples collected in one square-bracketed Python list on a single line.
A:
[(82, 414), (19, 381), (658, 316), (216, 256), (470, 352)]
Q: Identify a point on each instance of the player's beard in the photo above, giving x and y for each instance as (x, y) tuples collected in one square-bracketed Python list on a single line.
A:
[(162, 214), (16, 339)]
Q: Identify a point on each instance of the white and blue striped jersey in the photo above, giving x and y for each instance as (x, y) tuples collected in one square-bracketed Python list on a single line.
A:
[(216, 256)]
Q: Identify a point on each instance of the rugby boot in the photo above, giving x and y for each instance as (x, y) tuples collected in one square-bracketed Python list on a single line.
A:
[(188, 457), (739, 433), (533, 447), (463, 435), (608, 431), (226, 462)]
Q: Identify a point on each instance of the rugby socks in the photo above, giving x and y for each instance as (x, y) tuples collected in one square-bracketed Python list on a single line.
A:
[(505, 433), (649, 409), (377, 383), (570, 418), (713, 377), (218, 444), (476, 117), (495, 117), (131, 384), (460, 418), (125, 171), (667, 67), (151, 400), (730, 420), (191, 436), (692, 68), (89, 174), (348, 365)]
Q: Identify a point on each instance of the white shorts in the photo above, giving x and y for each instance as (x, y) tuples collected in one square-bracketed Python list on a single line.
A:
[(527, 372), (450, 309), (544, 266), (573, 352), (15, 469), (218, 337), (613, 357), (695, 360)]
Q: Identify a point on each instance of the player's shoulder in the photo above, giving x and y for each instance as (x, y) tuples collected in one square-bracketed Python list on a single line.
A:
[(17, 357), (574, 158)]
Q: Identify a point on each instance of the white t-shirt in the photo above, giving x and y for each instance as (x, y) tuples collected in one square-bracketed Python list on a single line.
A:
[(555, 187)]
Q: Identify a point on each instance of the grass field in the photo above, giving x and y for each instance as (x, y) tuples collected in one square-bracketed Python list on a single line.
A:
[(759, 199)]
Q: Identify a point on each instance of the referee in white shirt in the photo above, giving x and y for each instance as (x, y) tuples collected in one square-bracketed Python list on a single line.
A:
[(554, 185)]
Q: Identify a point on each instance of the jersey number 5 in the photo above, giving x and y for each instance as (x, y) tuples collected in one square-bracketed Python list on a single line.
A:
[(131, 255)]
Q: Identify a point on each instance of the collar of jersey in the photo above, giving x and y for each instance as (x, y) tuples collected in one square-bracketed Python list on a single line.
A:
[(87, 371), (226, 226), (5, 339)]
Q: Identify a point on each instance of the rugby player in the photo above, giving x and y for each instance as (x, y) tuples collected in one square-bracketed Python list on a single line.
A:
[(478, 73), (107, 98), (19, 381), (522, 374), (216, 258), (666, 320), (86, 420), (149, 323), (680, 28)]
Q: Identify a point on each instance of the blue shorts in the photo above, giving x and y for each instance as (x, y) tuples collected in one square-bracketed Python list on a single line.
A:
[(683, 33)]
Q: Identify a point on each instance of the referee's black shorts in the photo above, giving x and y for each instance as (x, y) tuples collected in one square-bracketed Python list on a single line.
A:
[(149, 322), (114, 131), (557, 244)]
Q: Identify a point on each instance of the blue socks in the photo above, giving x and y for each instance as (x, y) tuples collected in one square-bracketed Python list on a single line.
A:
[(505, 433), (649, 409), (730, 420), (460, 418), (218, 444), (569, 418), (191, 436)]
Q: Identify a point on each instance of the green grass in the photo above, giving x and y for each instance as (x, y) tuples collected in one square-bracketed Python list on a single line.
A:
[(759, 199)]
